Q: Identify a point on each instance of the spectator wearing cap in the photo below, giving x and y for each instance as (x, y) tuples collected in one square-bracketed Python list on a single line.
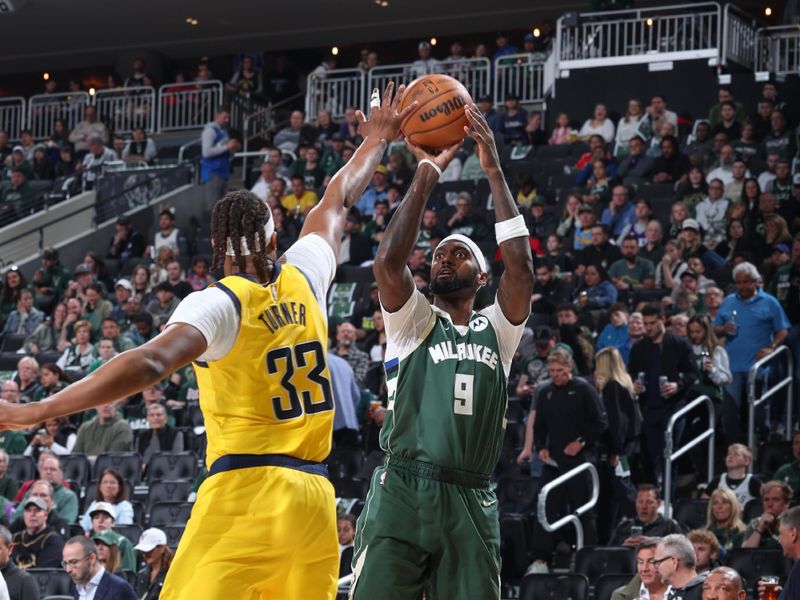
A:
[(636, 168), (107, 432), (549, 292), (691, 245), (513, 121), (486, 106), (425, 64), (463, 221), (785, 286), (753, 324), (620, 212), (108, 553), (25, 318), (540, 223), (51, 279), (38, 545), (377, 189), (17, 161), (90, 577), (127, 242), (157, 557), (164, 304), (104, 518), (123, 291), (587, 219)]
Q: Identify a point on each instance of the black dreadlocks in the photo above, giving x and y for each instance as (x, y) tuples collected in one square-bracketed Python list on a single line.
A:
[(240, 214)]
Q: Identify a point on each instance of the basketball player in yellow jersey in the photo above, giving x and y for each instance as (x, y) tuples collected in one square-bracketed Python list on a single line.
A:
[(264, 525)]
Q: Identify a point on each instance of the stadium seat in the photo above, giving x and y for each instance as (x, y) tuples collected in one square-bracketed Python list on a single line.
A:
[(12, 342), (606, 584), (138, 511), (554, 587), (345, 462), (693, 514), (168, 491), (654, 191), (547, 153), (21, 468), (51, 581), (517, 494), (514, 545), (128, 464), (76, 468), (174, 534), (132, 532), (349, 488), (561, 181), (750, 563), (594, 561), (172, 465), (752, 510), (170, 513)]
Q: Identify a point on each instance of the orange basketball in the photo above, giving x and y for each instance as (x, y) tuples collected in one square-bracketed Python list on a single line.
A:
[(439, 119)]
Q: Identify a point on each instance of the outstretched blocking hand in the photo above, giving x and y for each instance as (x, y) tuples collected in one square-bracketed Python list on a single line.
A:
[(384, 120), (480, 131), (441, 160)]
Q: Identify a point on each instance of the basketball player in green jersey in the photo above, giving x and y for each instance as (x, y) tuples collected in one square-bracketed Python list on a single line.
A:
[(430, 522)]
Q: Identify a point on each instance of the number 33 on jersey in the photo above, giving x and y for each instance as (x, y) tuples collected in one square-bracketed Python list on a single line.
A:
[(282, 402)]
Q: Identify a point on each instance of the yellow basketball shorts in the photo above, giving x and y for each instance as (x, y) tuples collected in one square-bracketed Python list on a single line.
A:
[(256, 534)]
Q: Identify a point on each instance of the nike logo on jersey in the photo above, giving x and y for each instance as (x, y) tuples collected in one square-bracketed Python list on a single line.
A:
[(488, 503), (475, 352)]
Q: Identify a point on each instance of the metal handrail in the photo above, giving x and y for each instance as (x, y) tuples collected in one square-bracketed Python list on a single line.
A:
[(541, 511), (753, 402), (747, 28), (670, 456)]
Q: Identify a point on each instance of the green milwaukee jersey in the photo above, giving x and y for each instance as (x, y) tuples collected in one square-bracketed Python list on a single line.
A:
[(447, 386)]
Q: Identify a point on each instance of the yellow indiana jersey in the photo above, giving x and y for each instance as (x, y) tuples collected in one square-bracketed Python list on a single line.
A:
[(271, 394)]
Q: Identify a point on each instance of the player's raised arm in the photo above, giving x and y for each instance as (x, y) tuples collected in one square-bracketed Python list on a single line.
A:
[(516, 283), (122, 376), (328, 217), (393, 276)]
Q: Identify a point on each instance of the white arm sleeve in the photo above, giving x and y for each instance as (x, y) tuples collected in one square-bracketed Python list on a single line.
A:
[(314, 257), (406, 327), (508, 334), (214, 315)]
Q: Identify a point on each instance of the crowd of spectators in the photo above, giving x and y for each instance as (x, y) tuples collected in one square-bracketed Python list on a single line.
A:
[(667, 262)]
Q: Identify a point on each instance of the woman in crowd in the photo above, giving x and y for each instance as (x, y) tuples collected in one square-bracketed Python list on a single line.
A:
[(697, 265), (711, 359), (599, 184), (246, 81), (736, 240), (59, 437), (724, 518), (25, 317), (14, 282), (346, 529), (140, 148), (692, 191), (671, 267), (105, 352), (595, 291), (98, 266), (776, 231), (59, 138), (157, 559), (534, 134), (140, 280), (562, 132), (555, 255), (27, 378), (621, 439), (569, 218), (751, 192), (111, 489), (628, 127), (600, 125), (158, 270), (47, 337), (678, 214), (78, 357), (50, 382), (108, 553), (41, 165)]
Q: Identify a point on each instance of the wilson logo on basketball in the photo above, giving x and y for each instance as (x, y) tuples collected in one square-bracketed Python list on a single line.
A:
[(445, 108)]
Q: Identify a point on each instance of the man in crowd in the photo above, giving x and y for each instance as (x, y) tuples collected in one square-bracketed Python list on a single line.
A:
[(44, 490), (51, 279), (637, 167), (569, 421), (93, 162), (66, 502), (549, 292), (21, 586), (127, 242), (753, 325), (301, 200), (648, 521), (620, 214), (706, 549), (763, 531), (464, 221), (647, 583), (676, 563), (662, 369), (789, 538), (87, 129), (723, 583), (601, 252), (346, 349), (38, 545), (107, 432), (217, 151), (89, 576), (631, 271)]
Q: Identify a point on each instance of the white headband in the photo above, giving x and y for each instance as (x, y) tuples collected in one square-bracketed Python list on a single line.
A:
[(269, 229), (457, 237)]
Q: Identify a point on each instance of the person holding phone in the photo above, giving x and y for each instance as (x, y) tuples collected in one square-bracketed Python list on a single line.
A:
[(647, 523)]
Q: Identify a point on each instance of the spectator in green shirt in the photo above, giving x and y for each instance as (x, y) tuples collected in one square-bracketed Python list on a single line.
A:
[(790, 472), (762, 532), (50, 280), (333, 157), (8, 485), (17, 198)]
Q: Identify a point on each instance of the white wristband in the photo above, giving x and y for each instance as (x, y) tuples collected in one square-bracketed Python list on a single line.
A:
[(511, 228), (431, 163)]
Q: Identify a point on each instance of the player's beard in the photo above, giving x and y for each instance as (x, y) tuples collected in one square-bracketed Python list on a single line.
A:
[(441, 288)]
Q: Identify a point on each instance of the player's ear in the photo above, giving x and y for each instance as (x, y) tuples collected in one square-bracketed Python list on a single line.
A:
[(483, 279)]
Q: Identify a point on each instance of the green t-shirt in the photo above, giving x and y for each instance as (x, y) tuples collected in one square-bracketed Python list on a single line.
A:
[(13, 442), (643, 269)]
